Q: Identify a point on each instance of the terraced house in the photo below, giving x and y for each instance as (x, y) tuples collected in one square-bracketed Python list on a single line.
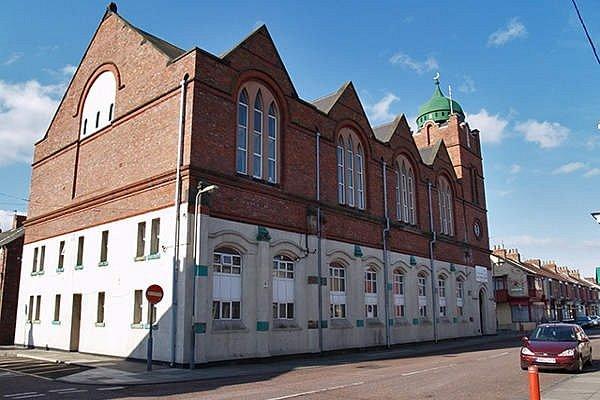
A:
[(532, 291), (323, 232)]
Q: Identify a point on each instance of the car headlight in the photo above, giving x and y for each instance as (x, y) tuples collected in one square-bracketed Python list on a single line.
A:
[(527, 352), (567, 353)]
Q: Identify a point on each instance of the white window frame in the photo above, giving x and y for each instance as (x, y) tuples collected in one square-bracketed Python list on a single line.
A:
[(228, 265), (272, 143), (242, 130), (443, 309), (337, 298), (341, 171), (350, 172), (283, 275), (398, 293), (422, 294), (460, 295), (257, 137), (359, 167)]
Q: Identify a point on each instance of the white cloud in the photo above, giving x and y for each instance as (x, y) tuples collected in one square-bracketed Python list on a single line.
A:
[(429, 64), (13, 58), (593, 142), (468, 86), (515, 169), (514, 29), (568, 168), (25, 112), (592, 172), (380, 111), (68, 69), (6, 218), (545, 134), (491, 127)]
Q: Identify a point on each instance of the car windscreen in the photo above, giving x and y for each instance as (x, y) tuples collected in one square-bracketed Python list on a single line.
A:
[(554, 334)]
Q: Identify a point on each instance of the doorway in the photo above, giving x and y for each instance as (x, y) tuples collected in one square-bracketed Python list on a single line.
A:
[(75, 322), (482, 312)]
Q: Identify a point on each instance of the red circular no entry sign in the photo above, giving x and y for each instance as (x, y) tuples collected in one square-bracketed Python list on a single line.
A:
[(154, 294)]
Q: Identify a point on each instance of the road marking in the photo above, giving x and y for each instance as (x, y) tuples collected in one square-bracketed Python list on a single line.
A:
[(112, 388), (25, 373), (291, 396), (61, 390), (18, 394), (30, 396), (74, 391), (59, 370), (420, 371)]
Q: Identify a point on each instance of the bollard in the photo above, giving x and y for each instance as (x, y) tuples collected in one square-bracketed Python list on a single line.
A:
[(534, 383)]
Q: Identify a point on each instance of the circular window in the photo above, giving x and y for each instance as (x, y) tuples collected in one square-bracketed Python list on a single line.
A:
[(477, 229)]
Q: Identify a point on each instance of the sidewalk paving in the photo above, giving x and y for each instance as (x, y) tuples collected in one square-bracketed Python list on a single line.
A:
[(584, 386), (117, 371)]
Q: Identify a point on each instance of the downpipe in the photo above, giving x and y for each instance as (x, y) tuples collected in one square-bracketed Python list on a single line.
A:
[(432, 242), (319, 244), (384, 235), (177, 220)]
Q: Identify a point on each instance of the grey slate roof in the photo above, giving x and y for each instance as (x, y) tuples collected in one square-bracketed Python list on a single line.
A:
[(428, 153), (11, 235), (325, 103), (165, 47)]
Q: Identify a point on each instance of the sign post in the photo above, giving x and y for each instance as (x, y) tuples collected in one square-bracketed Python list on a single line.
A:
[(154, 294)]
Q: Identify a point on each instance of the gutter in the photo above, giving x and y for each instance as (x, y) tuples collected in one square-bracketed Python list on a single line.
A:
[(319, 244), (177, 221)]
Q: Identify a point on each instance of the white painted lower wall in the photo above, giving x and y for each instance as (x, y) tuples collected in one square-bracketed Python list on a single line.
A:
[(256, 334)]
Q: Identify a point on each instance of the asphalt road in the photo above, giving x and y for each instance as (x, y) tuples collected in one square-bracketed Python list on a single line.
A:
[(480, 372)]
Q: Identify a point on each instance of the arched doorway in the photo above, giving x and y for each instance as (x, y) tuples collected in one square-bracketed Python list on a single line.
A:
[(482, 311)]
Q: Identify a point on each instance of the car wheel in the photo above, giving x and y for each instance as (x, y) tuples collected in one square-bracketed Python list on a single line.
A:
[(590, 359)]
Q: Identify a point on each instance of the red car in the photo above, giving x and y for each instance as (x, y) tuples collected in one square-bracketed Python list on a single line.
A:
[(557, 346)]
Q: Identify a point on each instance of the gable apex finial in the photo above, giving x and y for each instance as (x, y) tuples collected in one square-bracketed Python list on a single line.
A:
[(112, 6), (436, 78)]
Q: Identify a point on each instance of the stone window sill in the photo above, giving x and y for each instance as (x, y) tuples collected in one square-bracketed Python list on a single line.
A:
[(37, 321), (36, 273), (55, 322), (228, 326), (100, 324), (139, 258), (142, 326), (78, 267), (154, 256), (103, 264), (59, 270), (340, 323)]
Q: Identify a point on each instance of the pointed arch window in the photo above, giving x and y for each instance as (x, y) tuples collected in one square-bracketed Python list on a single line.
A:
[(337, 291), (405, 192), (460, 295), (258, 133), (257, 137), (446, 204), (350, 170), (443, 310), (242, 133), (398, 291), (341, 171), (422, 294), (272, 144), (99, 103)]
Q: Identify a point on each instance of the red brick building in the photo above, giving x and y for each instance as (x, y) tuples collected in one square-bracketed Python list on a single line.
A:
[(324, 232), (11, 249)]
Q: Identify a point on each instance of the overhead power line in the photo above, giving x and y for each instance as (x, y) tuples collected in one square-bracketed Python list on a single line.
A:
[(586, 31)]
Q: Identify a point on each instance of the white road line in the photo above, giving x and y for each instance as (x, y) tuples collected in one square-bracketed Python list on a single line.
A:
[(61, 390), (291, 396), (57, 370), (18, 394), (74, 391), (30, 396), (25, 373), (112, 388), (420, 371)]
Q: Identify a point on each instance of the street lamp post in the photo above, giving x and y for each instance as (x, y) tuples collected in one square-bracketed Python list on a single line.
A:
[(196, 242)]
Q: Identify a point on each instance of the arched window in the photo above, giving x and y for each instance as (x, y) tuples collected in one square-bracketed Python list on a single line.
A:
[(242, 133), (398, 291), (341, 171), (371, 293), (350, 169), (443, 310), (360, 191), (446, 204), (98, 106), (422, 294), (272, 144), (258, 156), (460, 295), (257, 139), (227, 284), (350, 172), (337, 291), (405, 192), (283, 288)]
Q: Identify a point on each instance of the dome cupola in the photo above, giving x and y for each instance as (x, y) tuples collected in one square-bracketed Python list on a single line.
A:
[(439, 107)]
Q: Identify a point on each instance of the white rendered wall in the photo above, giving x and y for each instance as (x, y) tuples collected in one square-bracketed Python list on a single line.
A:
[(118, 280)]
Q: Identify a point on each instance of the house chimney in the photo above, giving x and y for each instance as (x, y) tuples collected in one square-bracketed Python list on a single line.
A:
[(499, 251), (535, 261), (18, 221), (514, 255)]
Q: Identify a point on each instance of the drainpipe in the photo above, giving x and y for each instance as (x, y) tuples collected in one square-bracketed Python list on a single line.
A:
[(319, 250), (177, 220), (431, 264), (384, 235)]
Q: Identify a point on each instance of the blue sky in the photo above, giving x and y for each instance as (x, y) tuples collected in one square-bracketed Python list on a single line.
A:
[(522, 71)]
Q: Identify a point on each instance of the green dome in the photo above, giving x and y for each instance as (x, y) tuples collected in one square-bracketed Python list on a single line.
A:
[(438, 108)]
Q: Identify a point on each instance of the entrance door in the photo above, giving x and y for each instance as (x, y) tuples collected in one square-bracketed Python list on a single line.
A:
[(75, 322), (482, 312)]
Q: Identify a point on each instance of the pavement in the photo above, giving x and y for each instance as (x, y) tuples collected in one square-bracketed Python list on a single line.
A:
[(583, 386), (103, 370)]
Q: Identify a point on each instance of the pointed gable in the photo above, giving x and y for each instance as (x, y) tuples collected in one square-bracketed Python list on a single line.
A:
[(260, 43), (398, 127), (325, 103)]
